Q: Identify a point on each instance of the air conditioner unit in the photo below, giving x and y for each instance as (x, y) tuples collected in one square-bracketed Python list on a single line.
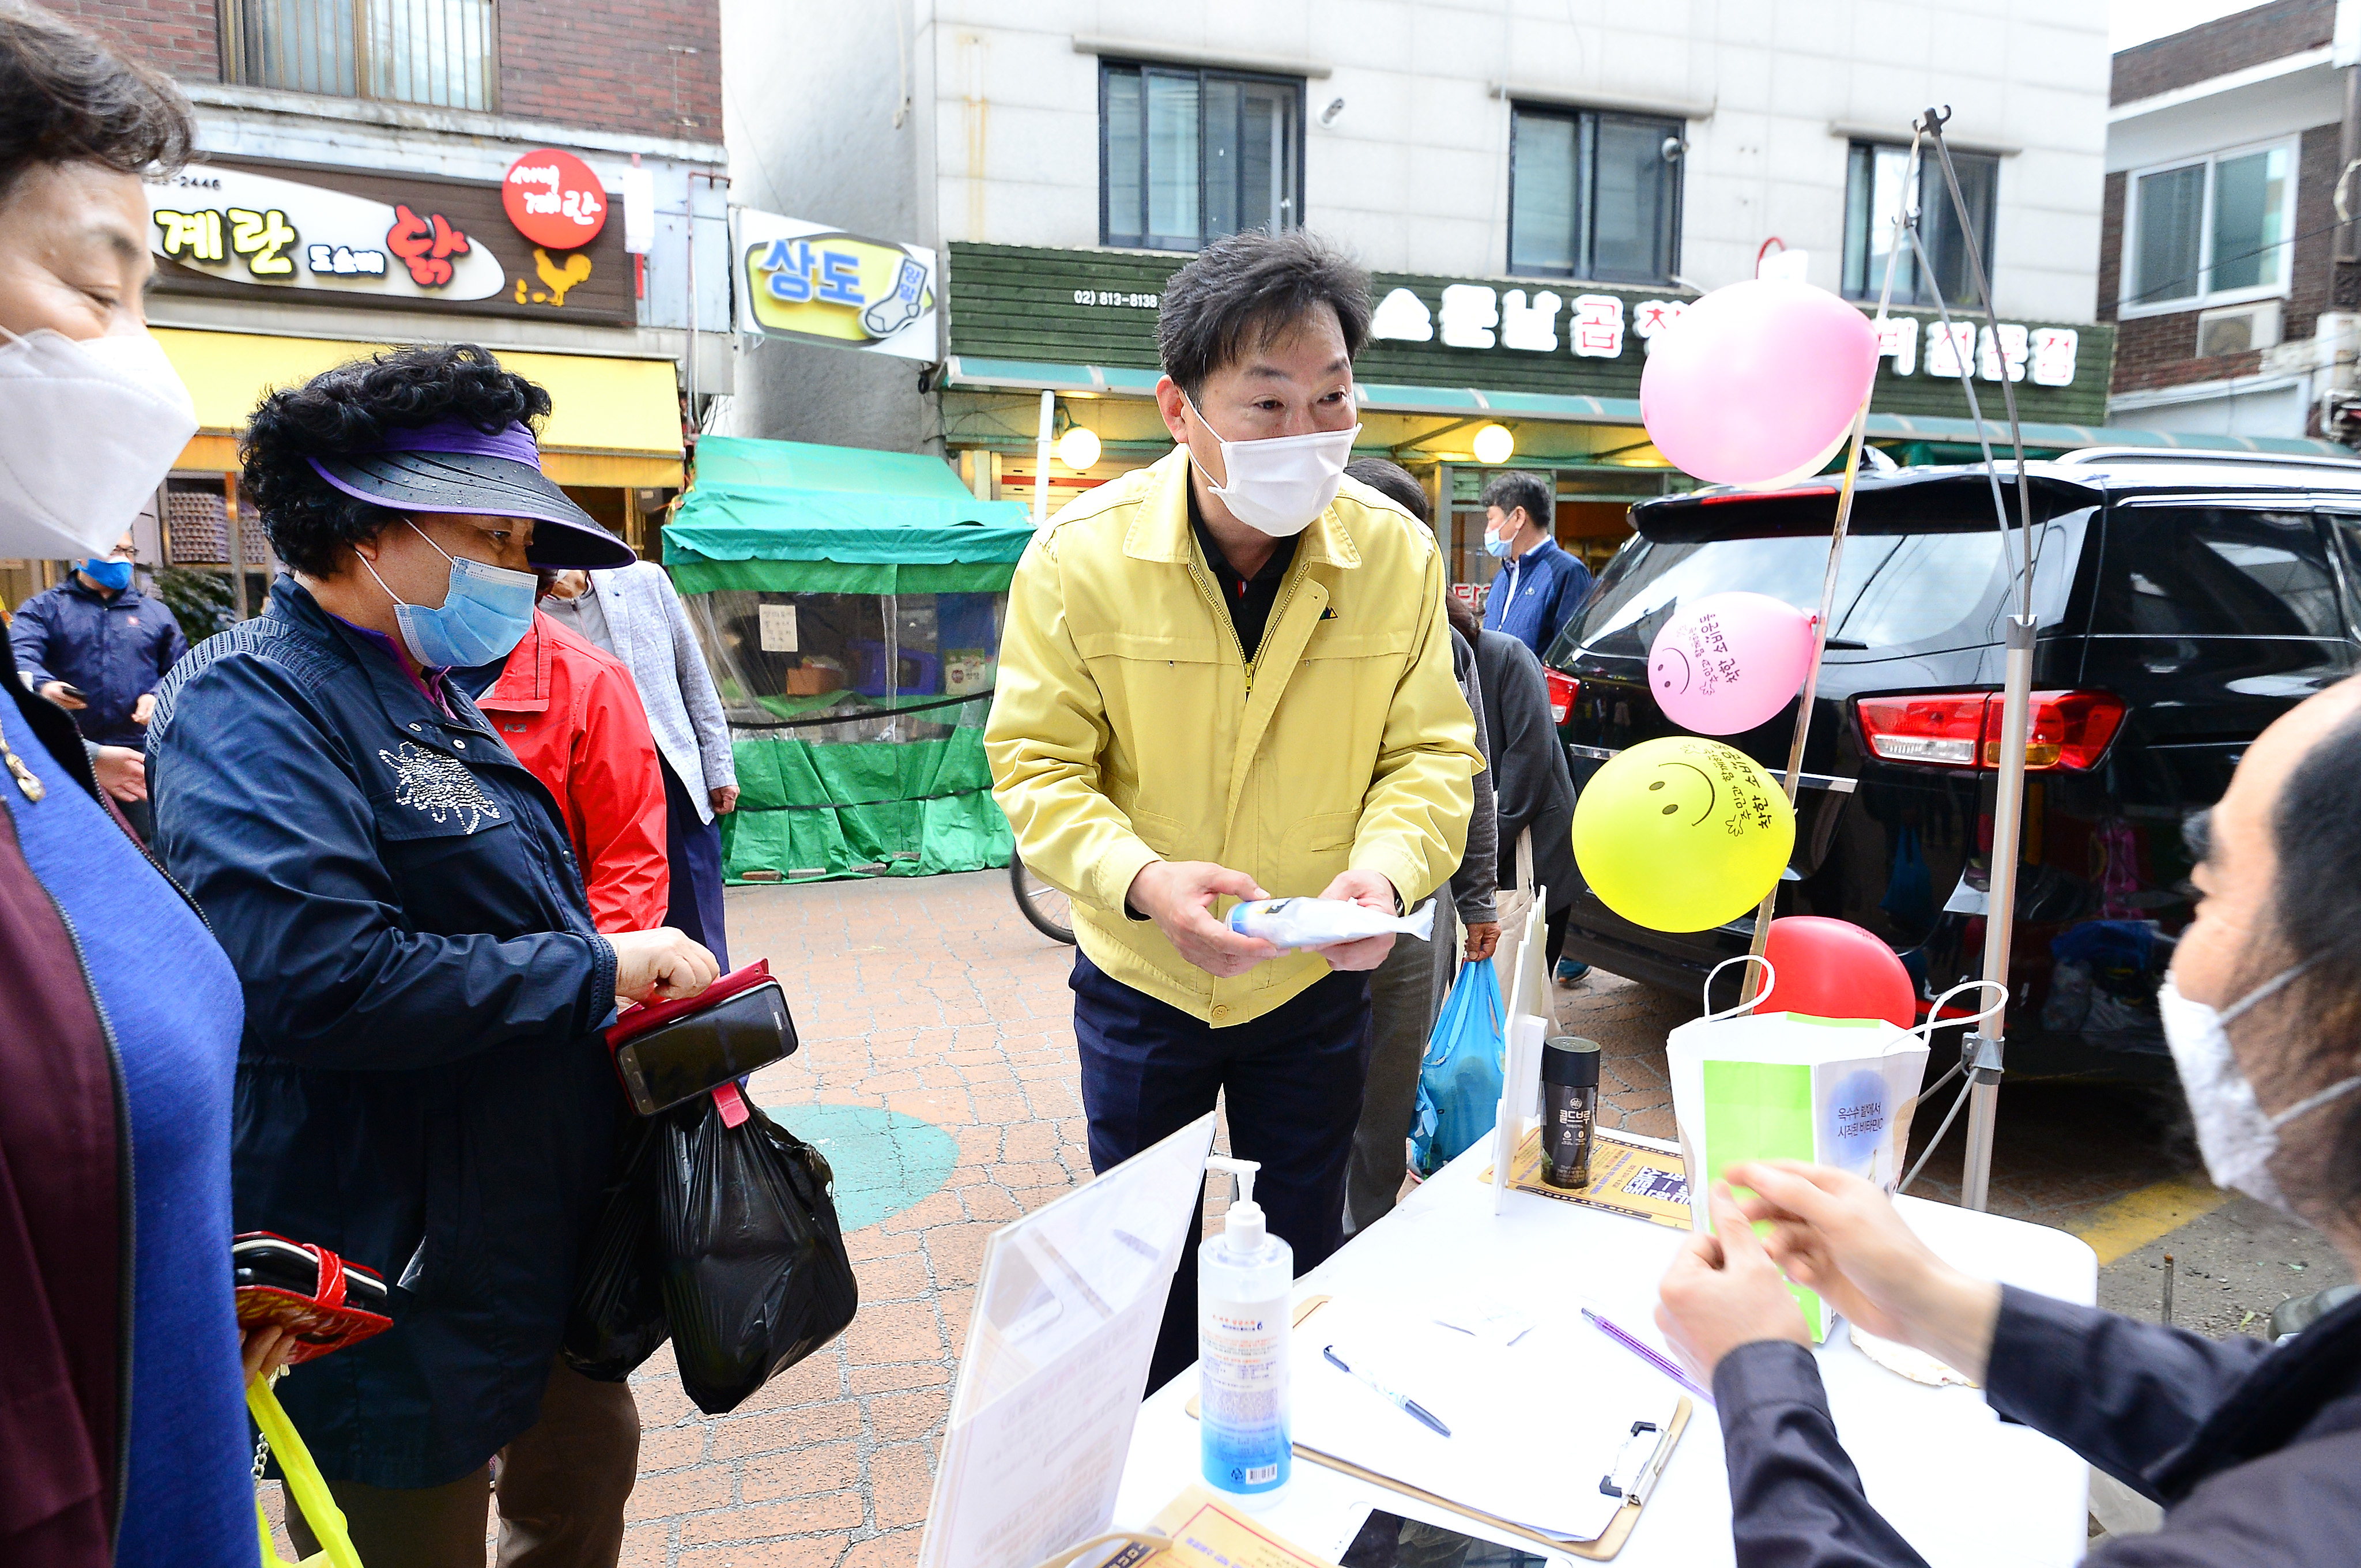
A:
[(2239, 329)]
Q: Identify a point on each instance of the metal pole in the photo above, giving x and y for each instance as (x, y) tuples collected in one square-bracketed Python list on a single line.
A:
[(690, 204), (1041, 457), (1981, 1051)]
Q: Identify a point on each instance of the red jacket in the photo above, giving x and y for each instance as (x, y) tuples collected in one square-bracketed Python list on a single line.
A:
[(569, 711)]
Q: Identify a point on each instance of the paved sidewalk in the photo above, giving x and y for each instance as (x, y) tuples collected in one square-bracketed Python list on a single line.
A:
[(938, 1073)]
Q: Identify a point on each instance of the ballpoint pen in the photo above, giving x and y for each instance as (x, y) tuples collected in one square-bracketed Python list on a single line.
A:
[(1403, 1402), (1663, 1363)]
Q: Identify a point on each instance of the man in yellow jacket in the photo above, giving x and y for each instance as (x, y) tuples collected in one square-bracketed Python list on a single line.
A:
[(1227, 676)]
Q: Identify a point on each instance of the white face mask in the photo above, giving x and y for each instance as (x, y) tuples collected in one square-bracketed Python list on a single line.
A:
[(2232, 1134), (88, 430), (1280, 484)]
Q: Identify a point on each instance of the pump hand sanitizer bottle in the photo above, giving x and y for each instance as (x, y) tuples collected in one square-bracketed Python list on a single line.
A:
[(1244, 1279)]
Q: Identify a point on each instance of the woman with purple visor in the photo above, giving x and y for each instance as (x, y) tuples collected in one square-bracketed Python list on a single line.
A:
[(421, 1086)]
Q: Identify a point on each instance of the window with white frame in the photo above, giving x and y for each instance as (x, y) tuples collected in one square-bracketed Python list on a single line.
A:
[(2207, 231)]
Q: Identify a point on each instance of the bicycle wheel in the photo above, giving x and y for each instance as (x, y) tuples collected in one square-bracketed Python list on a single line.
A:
[(1045, 909)]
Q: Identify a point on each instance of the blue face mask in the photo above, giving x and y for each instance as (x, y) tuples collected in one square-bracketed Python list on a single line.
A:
[(1494, 545), (485, 613), (112, 575)]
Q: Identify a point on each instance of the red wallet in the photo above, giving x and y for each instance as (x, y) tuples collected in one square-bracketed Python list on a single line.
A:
[(308, 1291)]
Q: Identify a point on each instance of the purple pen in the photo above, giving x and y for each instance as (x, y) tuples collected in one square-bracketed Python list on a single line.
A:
[(1663, 1363)]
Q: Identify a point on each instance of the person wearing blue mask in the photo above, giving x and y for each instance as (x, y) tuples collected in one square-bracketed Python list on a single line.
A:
[(1539, 585), (97, 646), (423, 1085)]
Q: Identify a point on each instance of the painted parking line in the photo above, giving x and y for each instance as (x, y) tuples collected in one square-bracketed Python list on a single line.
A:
[(2151, 1213)]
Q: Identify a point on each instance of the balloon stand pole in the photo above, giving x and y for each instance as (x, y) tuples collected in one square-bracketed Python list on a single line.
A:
[(1763, 914), (1980, 1052)]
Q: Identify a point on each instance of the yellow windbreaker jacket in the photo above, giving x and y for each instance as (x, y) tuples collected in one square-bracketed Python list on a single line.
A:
[(1128, 726)]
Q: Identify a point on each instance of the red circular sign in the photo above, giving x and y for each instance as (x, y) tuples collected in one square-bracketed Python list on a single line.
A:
[(554, 199)]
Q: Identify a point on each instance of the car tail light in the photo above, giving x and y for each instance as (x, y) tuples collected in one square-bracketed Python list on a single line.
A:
[(1563, 690), (1961, 730), (2065, 730), (1942, 728)]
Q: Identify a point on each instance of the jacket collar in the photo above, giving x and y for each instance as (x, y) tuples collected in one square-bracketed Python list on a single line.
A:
[(1160, 529), (523, 685), (2281, 1399), (404, 699)]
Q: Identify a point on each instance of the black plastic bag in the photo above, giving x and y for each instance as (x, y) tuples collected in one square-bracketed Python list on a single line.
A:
[(755, 1276), (618, 1319)]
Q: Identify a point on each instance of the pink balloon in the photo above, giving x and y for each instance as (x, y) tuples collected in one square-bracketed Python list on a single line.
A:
[(1756, 379), (1729, 662)]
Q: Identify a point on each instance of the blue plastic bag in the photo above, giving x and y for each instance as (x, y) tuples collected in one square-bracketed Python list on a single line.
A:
[(1460, 1076)]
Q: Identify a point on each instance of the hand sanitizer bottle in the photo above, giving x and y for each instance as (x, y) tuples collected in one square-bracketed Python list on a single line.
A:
[(1244, 1279)]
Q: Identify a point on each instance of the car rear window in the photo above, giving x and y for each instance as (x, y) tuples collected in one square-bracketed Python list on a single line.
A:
[(1898, 589), (2183, 571)]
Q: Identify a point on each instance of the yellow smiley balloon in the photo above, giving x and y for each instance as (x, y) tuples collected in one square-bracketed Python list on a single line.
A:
[(1682, 833)]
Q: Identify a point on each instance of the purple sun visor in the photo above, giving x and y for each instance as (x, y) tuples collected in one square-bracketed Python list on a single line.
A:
[(452, 466)]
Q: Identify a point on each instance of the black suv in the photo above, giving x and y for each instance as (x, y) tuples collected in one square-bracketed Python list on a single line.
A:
[(2184, 601)]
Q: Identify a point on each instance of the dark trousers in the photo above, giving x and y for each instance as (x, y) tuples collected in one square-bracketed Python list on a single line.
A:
[(560, 1487), (1290, 1081), (694, 847), (1555, 945)]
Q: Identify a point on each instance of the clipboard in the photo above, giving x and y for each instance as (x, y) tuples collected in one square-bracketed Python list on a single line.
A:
[(1637, 1469)]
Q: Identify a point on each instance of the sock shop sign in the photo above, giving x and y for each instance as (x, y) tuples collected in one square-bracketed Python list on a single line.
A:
[(818, 284), (536, 244)]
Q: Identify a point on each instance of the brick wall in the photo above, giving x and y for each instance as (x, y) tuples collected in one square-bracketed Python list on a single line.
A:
[(2161, 350), (181, 38), (653, 67), (2249, 37), (619, 64)]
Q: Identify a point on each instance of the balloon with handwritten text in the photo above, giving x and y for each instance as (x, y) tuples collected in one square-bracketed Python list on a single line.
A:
[(1758, 382), (1682, 833), (1726, 663)]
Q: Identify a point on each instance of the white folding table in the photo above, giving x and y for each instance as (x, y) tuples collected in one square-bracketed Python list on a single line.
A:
[(1964, 1489)]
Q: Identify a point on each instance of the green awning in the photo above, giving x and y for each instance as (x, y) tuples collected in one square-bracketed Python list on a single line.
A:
[(790, 517)]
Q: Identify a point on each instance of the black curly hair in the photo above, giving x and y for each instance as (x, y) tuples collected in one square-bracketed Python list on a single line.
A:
[(67, 98), (351, 409)]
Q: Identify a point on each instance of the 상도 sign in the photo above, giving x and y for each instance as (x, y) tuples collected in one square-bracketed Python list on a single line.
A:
[(815, 283)]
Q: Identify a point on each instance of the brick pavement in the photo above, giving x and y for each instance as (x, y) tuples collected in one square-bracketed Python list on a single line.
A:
[(932, 998)]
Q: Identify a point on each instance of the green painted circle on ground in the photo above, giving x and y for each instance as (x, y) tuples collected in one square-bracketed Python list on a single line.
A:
[(884, 1161)]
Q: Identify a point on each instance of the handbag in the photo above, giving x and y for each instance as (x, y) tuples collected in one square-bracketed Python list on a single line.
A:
[(668, 1052), (1514, 905)]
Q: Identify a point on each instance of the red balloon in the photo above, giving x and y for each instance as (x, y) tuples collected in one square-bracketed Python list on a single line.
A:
[(1833, 968)]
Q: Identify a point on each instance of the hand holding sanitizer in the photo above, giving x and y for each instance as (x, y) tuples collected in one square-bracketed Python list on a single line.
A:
[(1244, 1279)]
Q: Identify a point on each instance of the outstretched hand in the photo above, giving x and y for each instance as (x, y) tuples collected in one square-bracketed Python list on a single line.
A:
[(1839, 1235), (1724, 1290)]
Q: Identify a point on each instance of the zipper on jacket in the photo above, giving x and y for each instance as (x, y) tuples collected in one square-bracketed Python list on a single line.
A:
[(1220, 612), (127, 1281)]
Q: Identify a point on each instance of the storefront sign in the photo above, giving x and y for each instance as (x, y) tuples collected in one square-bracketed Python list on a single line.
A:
[(1041, 305), (1476, 315), (554, 199), (250, 229), (818, 284)]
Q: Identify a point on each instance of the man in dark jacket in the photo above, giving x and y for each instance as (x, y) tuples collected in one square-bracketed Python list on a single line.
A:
[(97, 646), (1531, 782), (2252, 1448)]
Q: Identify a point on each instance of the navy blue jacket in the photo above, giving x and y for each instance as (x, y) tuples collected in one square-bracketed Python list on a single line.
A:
[(113, 650), (2255, 1452), (1535, 595), (420, 1085)]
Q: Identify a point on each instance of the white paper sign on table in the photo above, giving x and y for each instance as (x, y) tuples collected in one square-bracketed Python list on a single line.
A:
[(1067, 1313)]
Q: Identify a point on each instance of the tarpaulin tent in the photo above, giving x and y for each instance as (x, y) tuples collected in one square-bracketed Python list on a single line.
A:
[(849, 603)]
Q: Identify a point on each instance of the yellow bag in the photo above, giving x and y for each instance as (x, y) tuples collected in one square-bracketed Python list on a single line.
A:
[(305, 1486)]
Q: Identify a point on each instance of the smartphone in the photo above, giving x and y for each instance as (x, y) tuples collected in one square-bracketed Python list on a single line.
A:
[(683, 1057), (74, 691), (272, 1263), (1389, 1541)]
